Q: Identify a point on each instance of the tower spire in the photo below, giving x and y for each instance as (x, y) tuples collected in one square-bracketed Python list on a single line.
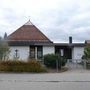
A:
[(28, 23)]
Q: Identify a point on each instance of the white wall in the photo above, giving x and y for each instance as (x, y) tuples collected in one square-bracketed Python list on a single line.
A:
[(22, 50), (48, 50), (77, 52)]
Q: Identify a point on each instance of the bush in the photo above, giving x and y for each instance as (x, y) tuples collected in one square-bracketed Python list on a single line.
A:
[(21, 66), (50, 60), (4, 50)]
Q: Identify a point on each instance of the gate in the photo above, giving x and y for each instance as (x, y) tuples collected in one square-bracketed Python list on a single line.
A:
[(76, 64)]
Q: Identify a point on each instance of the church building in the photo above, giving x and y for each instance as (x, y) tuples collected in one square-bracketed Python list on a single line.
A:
[(29, 42)]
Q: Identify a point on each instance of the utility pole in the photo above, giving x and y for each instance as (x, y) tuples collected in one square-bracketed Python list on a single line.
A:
[(57, 65), (60, 56)]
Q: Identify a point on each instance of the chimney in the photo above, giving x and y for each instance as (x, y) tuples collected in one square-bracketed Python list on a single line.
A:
[(70, 40)]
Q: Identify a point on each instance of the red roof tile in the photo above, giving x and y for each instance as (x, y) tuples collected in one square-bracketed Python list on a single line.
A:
[(28, 32)]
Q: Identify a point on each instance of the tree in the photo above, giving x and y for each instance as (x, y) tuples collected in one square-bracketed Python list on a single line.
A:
[(86, 53), (5, 36), (4, 49)]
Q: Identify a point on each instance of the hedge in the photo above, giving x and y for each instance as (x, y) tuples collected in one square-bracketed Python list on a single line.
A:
[(21, 66)]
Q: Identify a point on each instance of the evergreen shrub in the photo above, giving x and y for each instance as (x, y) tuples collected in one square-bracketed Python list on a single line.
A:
[(51, 60)]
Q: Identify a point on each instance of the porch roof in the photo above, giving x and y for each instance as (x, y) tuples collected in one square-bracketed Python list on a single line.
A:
[(67, 44)]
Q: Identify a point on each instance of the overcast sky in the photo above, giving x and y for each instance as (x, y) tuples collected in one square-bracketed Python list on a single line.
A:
[(57, 19)]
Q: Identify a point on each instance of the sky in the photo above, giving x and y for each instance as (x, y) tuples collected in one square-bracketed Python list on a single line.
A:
[(57, 19)]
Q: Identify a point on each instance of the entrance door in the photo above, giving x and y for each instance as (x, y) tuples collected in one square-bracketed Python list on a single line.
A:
[(69, 53), (64, 50)]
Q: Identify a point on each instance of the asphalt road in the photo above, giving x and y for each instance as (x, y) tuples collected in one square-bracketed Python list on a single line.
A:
[(70, 80)]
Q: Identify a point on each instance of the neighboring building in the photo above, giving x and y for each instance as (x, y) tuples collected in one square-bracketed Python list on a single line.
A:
[(29, 42), (87, 42), (72, 51)]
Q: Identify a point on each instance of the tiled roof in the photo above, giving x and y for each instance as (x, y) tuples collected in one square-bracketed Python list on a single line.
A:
[(28, 32), (87, 41)]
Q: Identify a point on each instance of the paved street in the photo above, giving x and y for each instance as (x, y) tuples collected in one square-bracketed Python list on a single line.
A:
[(70, 80)]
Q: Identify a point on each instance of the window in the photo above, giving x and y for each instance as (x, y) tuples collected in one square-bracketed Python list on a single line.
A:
[(32, 52), (36, 52), (39, 52)]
